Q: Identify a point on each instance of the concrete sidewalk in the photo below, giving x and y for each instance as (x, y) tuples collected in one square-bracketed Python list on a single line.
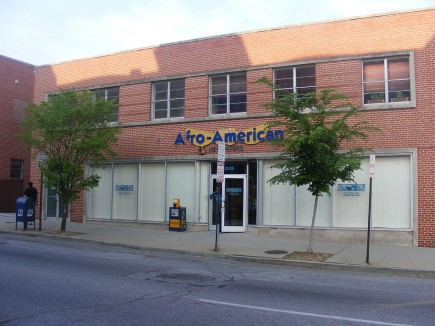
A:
[(412, 261)]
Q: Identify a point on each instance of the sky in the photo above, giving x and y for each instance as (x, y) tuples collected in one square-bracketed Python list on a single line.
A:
[(49, 31)]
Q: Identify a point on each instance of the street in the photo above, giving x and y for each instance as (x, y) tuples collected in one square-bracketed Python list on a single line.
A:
[(56, 282)]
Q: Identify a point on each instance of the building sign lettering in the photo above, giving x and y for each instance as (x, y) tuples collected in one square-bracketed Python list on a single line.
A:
[(229, 136)]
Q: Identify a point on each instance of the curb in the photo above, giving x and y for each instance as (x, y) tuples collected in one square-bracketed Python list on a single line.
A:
[(251, 259), (337, 267)]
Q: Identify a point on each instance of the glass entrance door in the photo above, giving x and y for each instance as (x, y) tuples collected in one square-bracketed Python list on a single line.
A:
[(234, 201)]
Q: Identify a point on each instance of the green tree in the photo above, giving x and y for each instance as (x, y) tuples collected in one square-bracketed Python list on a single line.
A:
[(73, 130), (315, 127)]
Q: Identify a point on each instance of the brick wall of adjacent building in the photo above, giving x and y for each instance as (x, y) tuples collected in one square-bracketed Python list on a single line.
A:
[(16, 90), (337, 48)]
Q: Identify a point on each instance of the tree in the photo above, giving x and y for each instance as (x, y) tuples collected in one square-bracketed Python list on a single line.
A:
[(315, 127), (72, 129)]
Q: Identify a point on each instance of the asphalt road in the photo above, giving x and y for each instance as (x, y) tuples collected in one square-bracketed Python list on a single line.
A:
[(56, 282)]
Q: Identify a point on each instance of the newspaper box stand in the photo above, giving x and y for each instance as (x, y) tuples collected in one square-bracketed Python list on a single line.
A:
[(177, 218), (25, 211)]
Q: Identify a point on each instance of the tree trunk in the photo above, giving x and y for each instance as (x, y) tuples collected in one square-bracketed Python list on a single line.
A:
[(64, 217), (310, 244)]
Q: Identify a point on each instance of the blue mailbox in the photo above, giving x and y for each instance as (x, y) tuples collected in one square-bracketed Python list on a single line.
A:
[(25, 211)]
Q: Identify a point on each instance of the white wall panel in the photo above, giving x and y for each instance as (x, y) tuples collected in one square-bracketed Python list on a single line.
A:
[(181, 184), (152, 192), (392, 193), (351, 211), (278, 200), (125, 202), (100, 198), (391, 197), (204, 191), (305, 207)]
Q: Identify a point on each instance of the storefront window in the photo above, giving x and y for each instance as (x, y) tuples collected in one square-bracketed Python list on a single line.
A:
[(231, 167)]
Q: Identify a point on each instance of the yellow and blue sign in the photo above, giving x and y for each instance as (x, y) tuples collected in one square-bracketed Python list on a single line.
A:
[(229, 136)]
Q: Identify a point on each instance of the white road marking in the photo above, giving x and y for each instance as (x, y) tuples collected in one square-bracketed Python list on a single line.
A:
[(372, 322)]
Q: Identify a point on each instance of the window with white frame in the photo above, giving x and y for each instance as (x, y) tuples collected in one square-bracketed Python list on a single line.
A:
[(228, 93), (168, 99), (300, 79), (111, 94), (386, 80), (17, 169)]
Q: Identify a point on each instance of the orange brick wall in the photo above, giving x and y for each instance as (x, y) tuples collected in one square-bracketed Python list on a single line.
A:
[(337, 48), (16, 90)]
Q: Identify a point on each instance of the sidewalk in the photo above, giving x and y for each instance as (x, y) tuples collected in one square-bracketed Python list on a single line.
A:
[(411, 261)]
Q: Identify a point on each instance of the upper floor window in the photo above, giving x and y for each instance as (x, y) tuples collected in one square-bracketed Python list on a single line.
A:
[(168, 99), (17, 169), (386, 80), (111, 93), (228, 93), (300, 80)]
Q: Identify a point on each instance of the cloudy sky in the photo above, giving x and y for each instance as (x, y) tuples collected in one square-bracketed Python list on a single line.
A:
[(49, 31)]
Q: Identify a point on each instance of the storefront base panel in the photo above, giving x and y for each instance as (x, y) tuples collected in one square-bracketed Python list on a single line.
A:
[(385, 237), (148, 225), (392, 237)]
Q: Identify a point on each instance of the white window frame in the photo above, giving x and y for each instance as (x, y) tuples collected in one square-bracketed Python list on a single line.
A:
[(294, 78), (387, 103), (168, 99), (228, 94), (116, 112)]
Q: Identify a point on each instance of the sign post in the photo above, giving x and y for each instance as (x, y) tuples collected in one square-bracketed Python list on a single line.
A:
[(41, 158), (220, 179), (372, 175)]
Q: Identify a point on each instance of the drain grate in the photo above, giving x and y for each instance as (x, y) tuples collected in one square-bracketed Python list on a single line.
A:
[(276, 252), (177, 276)]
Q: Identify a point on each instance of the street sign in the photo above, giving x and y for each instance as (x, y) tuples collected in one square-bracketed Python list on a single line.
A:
[(372, 166), (221, 162), (220, 172), (221, 151)]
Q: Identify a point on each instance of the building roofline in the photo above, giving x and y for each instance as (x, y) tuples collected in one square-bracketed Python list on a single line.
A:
[(16, 60), (392, 13)]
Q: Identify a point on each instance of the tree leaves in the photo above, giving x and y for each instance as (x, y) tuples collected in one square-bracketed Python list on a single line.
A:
[(72, 129), (315, 126)]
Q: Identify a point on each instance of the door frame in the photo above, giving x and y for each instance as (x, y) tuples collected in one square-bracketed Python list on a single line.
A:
[(226, 228), (55, 198)]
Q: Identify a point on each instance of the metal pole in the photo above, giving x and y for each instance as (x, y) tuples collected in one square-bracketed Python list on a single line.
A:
[(369, 222), (216, 243), (219, 203), (40, 203)]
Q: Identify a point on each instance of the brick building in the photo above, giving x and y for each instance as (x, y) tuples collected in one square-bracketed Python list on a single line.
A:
[(176, 100), (16, 90)]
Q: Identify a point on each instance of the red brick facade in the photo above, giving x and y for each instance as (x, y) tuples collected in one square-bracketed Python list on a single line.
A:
[(16, 90), (337, 49)]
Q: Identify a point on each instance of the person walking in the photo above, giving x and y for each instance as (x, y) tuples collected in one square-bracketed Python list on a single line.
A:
[(31, 191)]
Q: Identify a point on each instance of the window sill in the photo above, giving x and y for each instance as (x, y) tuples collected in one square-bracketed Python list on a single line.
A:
[(163, 120), (389, 105), (199, 119), (228, 115)]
